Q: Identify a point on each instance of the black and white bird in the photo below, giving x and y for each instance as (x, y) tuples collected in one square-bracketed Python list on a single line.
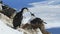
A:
[(1, 4), (21, 17)]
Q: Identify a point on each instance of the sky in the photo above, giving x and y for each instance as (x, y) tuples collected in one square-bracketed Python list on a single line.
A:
[(18, 4), (48, 10)]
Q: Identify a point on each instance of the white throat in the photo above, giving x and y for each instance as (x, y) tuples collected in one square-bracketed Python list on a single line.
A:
[(26, 17), (0, 6)]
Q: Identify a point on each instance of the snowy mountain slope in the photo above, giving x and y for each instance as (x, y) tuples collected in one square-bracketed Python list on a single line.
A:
[(8, 30), (6, 24), (50, 13), (4, 29), (6, 20)]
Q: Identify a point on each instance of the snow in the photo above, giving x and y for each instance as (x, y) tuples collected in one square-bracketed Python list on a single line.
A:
[(4, 29)]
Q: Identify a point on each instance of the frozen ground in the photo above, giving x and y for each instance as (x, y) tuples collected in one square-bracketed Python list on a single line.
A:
[(4, 29)]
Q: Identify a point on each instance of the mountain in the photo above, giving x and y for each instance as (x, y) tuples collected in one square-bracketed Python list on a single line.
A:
[(6, 24)]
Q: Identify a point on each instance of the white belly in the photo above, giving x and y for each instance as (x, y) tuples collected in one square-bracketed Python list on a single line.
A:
[(26, 17), (0, 6)]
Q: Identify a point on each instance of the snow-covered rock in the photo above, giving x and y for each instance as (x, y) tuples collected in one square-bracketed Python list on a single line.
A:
[(4, 29), (5, 22)]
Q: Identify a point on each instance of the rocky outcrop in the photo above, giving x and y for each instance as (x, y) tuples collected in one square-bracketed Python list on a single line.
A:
[(7, 10)]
